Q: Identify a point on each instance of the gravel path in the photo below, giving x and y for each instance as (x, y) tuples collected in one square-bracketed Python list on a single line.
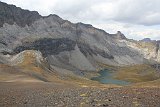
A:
[(56, 95)]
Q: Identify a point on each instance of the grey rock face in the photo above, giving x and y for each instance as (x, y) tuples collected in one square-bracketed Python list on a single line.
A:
[(11, 14), (119, 35), (47, 46), (67, 45)]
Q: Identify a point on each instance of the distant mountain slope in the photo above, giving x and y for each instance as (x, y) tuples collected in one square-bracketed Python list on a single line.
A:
[(70, 46), (11, 14), (146, 40)]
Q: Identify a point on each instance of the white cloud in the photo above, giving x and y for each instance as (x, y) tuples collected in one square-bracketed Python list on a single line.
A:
[(144, 12), (131, 31)]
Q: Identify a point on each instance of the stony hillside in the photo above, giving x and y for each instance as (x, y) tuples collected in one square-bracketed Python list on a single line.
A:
[(66, 45), (11, 14)]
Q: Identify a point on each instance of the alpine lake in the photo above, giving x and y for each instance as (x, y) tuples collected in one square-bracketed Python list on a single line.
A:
[(106, 77)]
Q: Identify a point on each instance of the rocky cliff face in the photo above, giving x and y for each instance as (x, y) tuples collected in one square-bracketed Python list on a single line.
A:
[(67, 45), (11, 14)]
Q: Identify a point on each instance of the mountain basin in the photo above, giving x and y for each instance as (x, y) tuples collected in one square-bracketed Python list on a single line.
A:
[(106, 77)]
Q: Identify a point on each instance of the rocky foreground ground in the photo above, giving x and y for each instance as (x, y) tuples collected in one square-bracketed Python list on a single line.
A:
[(63, 95)]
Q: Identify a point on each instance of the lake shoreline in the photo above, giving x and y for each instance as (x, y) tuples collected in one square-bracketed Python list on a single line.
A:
[(107, 77)]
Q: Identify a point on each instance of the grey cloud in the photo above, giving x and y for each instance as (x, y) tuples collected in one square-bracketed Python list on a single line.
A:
[(144, 12)]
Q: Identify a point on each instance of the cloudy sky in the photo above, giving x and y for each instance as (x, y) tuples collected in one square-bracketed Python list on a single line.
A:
[(137, 19)]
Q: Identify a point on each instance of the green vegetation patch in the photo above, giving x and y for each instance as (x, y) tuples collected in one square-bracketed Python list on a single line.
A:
[(136, 73)]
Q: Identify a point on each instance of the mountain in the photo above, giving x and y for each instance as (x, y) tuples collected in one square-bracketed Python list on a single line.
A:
[(66, 45), (146, 40), (11, 14), (49, 61)]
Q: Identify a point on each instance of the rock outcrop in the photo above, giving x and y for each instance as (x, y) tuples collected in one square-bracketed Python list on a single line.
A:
[(11, 14)]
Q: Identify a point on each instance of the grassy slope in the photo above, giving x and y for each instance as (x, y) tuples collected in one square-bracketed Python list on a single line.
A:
[(140, 75), (136, 73), (32, 71), (13, 74), (37, 71)]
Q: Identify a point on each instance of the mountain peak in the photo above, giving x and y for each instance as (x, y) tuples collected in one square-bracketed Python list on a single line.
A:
[(82, 24), (146, 40), (118, 35), (11, 14)]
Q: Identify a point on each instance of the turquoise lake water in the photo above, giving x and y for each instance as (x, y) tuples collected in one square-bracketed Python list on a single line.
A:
[(106, 77)]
